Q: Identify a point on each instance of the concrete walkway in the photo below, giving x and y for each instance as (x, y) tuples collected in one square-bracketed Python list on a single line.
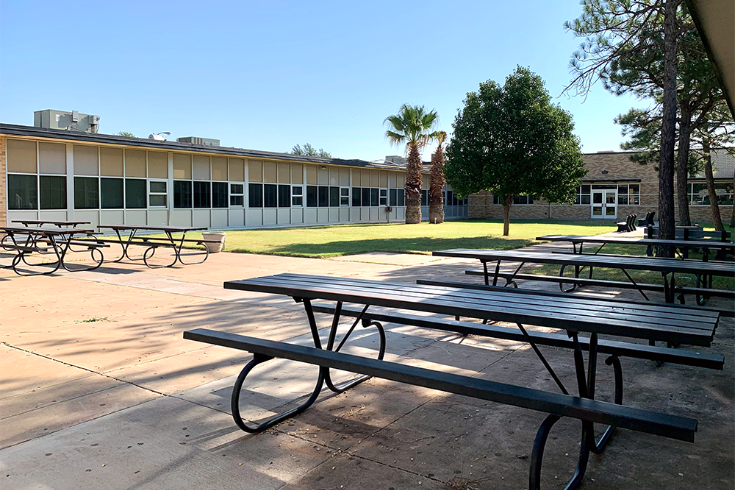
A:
[(99, 390)]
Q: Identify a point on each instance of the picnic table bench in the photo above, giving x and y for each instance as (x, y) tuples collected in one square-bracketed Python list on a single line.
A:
[(668, 267), (24, 241), (683, 325), (153, 243)]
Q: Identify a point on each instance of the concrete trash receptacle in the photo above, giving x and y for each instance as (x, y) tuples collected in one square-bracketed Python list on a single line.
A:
[(214, 236)]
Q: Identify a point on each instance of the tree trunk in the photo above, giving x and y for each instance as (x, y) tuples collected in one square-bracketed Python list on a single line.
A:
[(682, 167), (507, 202), (709, 176), (413, 186), (436, 199), (668, 130), (732, 216)]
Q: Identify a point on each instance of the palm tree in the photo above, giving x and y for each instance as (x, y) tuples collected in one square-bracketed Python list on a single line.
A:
[(436, 200), (411, 126)]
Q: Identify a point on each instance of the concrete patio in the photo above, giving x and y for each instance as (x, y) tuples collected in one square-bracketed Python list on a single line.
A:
[(99, 390)]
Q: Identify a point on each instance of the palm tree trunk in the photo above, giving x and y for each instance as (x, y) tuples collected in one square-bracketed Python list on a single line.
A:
[(413, 186), (682, 167), (709, 176), (507, 202), (436, 199), (668, 130)]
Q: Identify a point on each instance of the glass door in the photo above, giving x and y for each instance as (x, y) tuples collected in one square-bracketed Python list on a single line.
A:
[(604, 204)]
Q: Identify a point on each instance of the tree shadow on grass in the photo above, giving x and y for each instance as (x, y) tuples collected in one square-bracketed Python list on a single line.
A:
[(421, 245)]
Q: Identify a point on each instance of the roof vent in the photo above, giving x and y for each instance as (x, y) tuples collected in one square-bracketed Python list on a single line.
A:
[(194, 140)]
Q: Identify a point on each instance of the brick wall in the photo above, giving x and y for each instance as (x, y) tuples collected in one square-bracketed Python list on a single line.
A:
[(3, 184)]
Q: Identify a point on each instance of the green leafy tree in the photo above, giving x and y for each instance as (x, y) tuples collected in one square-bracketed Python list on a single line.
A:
[(309, 151), (511, 140), (412, 126), (436, 198), (613, 30), (127, 134)]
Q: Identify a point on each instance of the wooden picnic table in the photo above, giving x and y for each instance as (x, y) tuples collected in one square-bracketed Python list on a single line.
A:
[(668, 267), (152, 243), (572, 315), (24, 241)]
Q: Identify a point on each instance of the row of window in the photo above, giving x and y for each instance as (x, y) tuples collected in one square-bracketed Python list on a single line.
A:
[(699, 196), (524, 199), (628, 194)]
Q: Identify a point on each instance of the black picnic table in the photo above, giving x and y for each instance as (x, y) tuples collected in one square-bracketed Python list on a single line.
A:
[(682, 245), (668, 267), (23, 241), (573, 315), (153, 243)]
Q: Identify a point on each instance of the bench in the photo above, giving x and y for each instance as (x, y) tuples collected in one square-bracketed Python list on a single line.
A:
[(648, 220), (588, 410), (628, 224)]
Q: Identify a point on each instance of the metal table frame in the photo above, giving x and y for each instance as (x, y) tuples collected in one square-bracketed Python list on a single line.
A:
[(176, 243), (59, 240)]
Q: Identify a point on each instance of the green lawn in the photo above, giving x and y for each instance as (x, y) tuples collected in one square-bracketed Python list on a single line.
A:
[(331, 241)]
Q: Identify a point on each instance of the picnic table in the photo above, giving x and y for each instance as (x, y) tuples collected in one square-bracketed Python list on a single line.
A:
[(681, 245), (24, 241), (153, 243), (668, 268), (652, 322), (41, 222)]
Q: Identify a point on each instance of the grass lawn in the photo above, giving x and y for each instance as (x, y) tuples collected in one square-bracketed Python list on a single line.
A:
[(424, 238)]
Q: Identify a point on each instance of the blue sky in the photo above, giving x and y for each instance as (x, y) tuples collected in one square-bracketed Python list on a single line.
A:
[(268, 75)]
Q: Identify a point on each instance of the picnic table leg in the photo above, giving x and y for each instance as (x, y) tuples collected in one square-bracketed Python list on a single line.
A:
[(181, 245), (32, 241), (561, 284), (153, 248)]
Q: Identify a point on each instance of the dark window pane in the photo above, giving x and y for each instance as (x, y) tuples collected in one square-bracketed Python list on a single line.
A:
[(356, 194), (86, 193), (236, 200), (323, 196), (585, 189), (22, 192), (182, 194), (219, 194), (585, 198), (634, 188), (424, 197), (134, 194), (366, 196), (158, 200), (270, 195), (401, 197), (298, 190), (298, 200), (334, 196), (111, 191), (53, 192), (255, 199), (311, 196), (344, 192), (284, 196), (393, 198), (236, 188), (158, 187), (496, 199), (202, 195), (450, 196), (373, 197)]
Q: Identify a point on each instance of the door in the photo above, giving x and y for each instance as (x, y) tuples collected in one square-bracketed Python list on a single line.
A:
[(604, 204)]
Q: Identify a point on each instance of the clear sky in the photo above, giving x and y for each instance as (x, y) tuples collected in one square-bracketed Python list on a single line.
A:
[(267, 75)]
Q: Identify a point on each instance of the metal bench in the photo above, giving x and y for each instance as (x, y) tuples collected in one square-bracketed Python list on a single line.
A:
[(583, 408)]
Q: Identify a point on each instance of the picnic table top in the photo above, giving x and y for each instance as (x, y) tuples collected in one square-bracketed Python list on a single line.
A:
[(634, 262), (172, 229), (45, 231), (652, 322), (50, 222), (636, 241)]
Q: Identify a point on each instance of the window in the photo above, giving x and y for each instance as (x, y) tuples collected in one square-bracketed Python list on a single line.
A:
[(284, 196), (583, 195), (622, 194), (356, 194), (374, 197), (255, 195), (182, 194), (311, 196), (297, 196), (53, 192), (86, 193), (111, 191), (22, 192), (344, 196), (634, 191), (383, 197), (219, 194), (524, 199), (628, 194), (699, 196), (270, 195), (401, 196), (393, 197), (134, 194), (236, 194), (366, 196), (334, 197), (157, 196), (202, 195), (323, 196), (424, 197)]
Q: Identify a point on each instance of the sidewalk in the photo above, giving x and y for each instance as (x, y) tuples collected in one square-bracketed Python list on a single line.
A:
[(99, 390)]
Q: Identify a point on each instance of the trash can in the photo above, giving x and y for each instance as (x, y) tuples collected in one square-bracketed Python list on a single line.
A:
[(217, 236)]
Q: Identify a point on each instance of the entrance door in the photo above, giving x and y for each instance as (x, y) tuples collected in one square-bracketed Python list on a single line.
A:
[(604, 204)]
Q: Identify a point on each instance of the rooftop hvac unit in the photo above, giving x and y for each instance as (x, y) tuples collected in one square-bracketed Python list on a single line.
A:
[(194, 140)]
